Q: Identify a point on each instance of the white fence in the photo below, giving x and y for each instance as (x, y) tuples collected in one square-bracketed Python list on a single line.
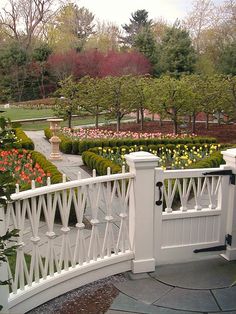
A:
[(120, 224), (55, 255)]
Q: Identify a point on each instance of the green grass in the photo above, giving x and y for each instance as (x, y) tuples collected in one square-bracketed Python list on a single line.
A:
[(76, 122), (21, 113)]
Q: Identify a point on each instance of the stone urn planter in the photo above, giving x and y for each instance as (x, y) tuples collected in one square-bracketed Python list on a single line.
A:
[(54, 140)]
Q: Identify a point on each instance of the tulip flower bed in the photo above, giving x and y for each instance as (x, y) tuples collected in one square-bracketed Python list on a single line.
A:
[(89, 133), (22, 167), (181, 157), (78, 141), (171, 156)]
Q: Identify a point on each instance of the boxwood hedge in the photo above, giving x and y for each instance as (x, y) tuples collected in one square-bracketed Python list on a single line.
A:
[(47, 166), (69, 146), (25, 141)]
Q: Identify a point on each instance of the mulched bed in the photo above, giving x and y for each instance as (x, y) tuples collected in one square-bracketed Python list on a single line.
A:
[(94, 298), (225, 133)]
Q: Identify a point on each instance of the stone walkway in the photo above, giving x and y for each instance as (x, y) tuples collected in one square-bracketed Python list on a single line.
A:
[(70, 164), (204, 286), (194, 287)]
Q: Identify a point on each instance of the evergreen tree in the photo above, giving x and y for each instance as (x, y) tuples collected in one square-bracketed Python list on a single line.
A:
[(138, 21), (145, 43), (177, 55), (227, 62)]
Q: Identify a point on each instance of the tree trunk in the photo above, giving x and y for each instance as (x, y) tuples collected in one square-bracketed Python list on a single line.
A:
[(42, 83), (142, 118), (69, 120), (218, 118), (118, 119), (193, 123), (189, 121), (137, 116), (96, 120), (161, 121), (175, 123), (207, 121), (153, 116)]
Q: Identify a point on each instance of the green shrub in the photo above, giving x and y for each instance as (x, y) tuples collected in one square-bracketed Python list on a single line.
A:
[(66, 145), (94, 161), (25, 141), (75, 147), (48, 133), (214, 161), (47, 166), (87, 144)]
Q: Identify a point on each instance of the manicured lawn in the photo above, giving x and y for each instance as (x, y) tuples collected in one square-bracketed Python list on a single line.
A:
[(44, 124), (22, 113)]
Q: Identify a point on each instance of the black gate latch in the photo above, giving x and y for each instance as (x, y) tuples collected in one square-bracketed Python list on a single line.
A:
[(222, 173)]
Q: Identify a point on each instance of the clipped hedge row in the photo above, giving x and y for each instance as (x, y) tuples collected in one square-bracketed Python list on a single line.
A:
[(47, 166), (25, 141), (213, 161), (94, 161), (69, 146)]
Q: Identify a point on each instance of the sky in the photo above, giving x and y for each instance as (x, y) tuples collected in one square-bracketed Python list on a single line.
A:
[(119, 11)]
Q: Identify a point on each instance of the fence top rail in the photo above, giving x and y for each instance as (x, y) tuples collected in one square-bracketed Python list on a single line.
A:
[(69, 185), (189, 173)]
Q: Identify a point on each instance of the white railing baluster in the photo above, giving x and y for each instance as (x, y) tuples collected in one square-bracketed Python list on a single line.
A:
[(48, 181), (98, 196), (64, 178), (169, 194), (197, 193), (123, 241), (17, 188), (108, 194), (94, 250)]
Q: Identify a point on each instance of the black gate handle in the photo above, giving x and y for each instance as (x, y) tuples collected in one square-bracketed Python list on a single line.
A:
[(159, 184)]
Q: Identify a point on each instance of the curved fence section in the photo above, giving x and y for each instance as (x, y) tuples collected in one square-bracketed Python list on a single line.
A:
[(68, 230)]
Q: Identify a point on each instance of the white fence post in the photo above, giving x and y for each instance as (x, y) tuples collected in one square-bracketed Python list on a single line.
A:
[(4, 290), (230, 159), (141, 221)]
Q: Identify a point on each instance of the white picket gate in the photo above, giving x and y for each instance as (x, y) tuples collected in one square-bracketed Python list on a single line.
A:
[(136, 222), (190, 214)]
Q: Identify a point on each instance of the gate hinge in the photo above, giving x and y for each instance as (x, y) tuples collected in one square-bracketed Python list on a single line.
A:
[(232, 179), (228, 239), (232, 176)]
